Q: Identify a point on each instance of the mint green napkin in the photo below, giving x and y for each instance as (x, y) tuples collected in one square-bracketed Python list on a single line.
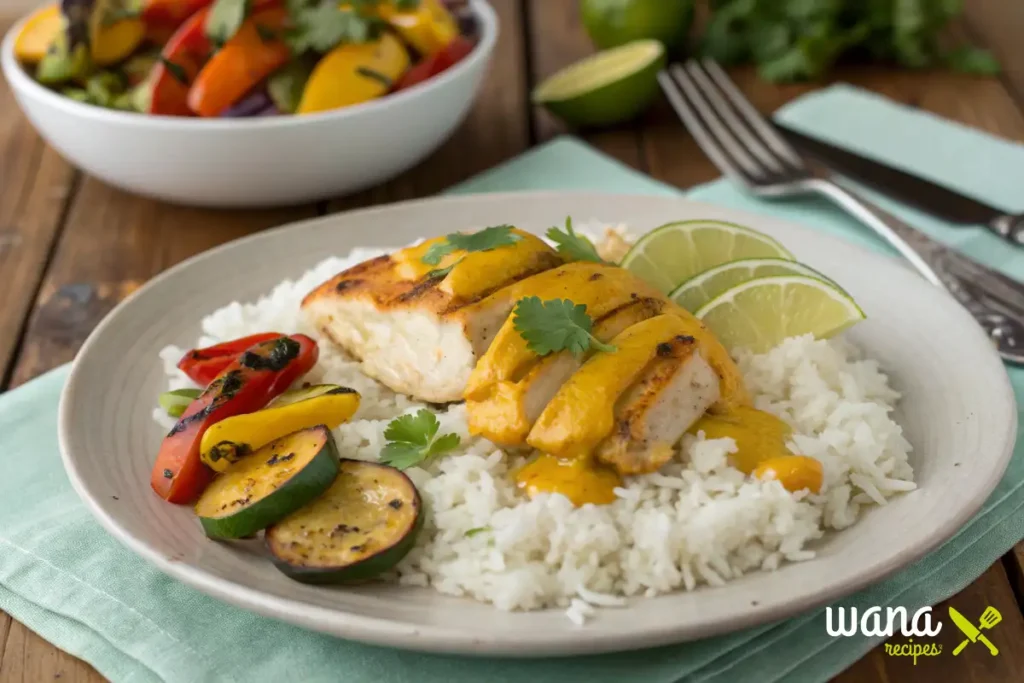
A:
[(66, 579)]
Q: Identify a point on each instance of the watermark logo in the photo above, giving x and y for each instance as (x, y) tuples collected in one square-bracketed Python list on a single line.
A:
[(989, 618), (874, 622)]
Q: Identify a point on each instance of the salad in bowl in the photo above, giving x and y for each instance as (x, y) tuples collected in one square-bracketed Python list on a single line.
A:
[(241, 58)]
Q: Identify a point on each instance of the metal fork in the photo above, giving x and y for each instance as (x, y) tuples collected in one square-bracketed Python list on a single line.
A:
[(747, 149)]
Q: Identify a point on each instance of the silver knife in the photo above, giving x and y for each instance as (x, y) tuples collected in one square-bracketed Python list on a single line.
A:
[(925, 195)]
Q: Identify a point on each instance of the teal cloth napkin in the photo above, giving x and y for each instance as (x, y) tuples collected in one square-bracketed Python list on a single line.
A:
[(66, 579)]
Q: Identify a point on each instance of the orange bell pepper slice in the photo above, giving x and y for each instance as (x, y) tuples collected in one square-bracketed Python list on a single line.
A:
[(245, 60)]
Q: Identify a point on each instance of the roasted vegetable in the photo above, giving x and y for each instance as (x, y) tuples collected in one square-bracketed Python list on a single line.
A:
[(354, 73), (249, 383), (285, 85), (253, 53), (203, 365), (235, 437), (269, 484), (361, 527), (163, 17), (429, 27), (181, 59), (446, 58), (102, 27), (251, 105), (177, 401), (38, 34)]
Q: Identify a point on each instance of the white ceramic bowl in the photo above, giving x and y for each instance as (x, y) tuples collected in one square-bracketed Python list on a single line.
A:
[(957, 408), (258, 161)]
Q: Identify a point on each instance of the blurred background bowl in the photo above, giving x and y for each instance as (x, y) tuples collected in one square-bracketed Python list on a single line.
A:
[(257, 162)]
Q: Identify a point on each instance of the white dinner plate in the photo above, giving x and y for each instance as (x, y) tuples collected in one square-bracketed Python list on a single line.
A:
[(958, 412)]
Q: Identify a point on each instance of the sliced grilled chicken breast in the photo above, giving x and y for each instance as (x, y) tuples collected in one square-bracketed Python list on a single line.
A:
[(582, 413), (506, 414), (418, 333), (600, 287), (673, 392)]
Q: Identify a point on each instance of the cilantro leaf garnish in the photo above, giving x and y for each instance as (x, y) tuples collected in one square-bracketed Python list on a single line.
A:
[(572, 245), (556, 325), (322, 25), (483, 240), (411, 440)]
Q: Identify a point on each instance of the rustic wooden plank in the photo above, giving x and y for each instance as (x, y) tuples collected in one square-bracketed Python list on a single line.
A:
[(557, 39), (37, 183), (37, 661), (998, 25), (113, 243)]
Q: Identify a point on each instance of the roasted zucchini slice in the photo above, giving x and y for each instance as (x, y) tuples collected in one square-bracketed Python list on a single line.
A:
[(233, 438), (363, 526), (269, 484)]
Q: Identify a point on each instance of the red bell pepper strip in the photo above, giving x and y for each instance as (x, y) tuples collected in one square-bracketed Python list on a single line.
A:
[(446, 58), (203, 365), (181, 59), (163, 17), (261, 373), (252, 54)]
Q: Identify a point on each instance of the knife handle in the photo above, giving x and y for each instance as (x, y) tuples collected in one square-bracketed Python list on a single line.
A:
[(988, 643), (960, 647), (1009, 227), (994, 300)]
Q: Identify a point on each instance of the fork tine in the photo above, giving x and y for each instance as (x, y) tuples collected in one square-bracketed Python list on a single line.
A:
[(753, 117), (699, 132), (719, 133), (749, 139)]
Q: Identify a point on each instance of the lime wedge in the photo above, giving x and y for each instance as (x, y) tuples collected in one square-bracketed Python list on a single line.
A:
[(605, 88), (704, 287), (760, 314), (676, 252)]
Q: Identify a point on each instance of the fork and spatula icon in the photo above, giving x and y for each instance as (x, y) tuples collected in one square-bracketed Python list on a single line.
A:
[(989, 618)]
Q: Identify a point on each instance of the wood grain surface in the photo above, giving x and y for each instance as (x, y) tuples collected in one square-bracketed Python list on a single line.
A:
[(72, 247)]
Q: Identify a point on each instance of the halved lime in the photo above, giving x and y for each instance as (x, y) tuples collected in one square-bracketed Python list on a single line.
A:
[(704, 287), (674, 253), (606, 88), (611, 23), (760, 314)]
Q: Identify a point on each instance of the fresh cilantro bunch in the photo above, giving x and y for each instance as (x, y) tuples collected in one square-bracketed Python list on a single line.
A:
[(556, 325), (803, 39), (413, 439)]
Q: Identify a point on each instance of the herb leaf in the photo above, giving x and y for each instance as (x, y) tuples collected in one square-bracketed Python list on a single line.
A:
[(555, 325), (482, 240), (572, 245), (476, 530), (411, 440), (322, 26), (224, 20), (406, 5)]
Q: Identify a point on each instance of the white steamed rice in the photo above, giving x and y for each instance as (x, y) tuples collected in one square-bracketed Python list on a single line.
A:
[(697, 521)]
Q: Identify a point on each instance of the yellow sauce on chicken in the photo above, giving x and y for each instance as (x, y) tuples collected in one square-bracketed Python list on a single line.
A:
[(599, 287), (578, 479), (479, 272)]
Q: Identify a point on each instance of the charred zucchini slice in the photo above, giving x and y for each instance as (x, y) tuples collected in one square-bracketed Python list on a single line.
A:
[(363, 526), (231, 439), (269, 484)]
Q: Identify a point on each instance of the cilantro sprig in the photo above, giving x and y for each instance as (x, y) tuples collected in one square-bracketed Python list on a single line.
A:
[(483, 240), (413, 439), (320, 25), (556, 325), (572, 245)]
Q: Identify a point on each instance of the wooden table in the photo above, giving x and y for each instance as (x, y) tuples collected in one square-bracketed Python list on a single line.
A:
[(72, 247)]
